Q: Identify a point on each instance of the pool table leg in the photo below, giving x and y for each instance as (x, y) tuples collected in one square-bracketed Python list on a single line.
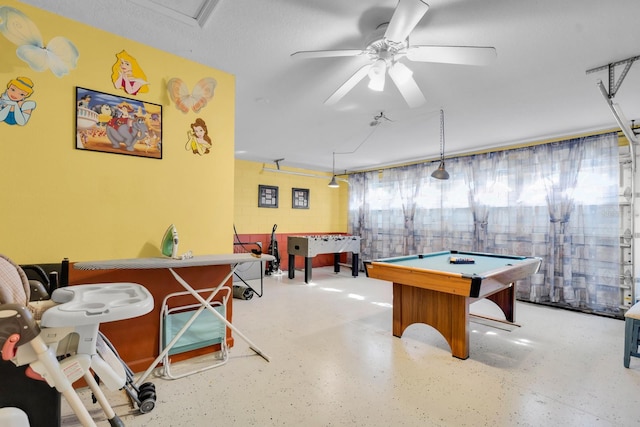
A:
[(448, 313), (506, 300)]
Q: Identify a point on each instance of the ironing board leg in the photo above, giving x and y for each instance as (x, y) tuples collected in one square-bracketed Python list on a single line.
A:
[(204, 304), (208, 306), (186, 326)]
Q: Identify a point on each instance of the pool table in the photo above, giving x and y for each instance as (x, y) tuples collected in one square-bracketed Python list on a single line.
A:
[(429, 288)]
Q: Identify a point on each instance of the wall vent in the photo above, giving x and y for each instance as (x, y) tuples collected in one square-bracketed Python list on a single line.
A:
[(192, 12)]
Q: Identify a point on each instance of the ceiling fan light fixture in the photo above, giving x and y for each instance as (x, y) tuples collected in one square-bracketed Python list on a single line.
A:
[(377, 74), (378, 68), (400, 73), (377, 83)]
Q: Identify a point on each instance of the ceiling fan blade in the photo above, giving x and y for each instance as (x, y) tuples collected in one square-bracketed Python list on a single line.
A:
[(405, 18), (348, 85), (408, 89), (310, 54), (465, 55)]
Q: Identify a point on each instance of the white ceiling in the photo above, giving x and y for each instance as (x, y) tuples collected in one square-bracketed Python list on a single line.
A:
[(537, 88)]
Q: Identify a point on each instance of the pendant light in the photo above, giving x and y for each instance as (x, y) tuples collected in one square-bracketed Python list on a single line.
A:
[(333, 183), (441, 173)]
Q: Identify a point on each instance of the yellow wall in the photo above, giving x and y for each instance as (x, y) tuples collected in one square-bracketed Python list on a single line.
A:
[(327, 211), (58, 201)]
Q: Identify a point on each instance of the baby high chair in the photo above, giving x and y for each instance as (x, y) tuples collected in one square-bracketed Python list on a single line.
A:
[(65, 345)]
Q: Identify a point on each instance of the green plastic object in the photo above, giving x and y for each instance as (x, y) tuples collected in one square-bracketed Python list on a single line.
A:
[(169, 243)]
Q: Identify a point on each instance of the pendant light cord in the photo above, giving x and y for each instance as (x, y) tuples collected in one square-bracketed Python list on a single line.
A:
[(441, 135), (334, 163)]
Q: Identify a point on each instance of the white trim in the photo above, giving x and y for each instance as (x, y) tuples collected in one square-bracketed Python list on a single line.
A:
[(203, 15)]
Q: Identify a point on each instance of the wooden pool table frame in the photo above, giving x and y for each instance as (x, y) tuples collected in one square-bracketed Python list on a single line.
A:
[(441, 299)]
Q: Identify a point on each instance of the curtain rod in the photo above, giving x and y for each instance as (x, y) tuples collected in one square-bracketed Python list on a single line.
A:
[(310, 175), (622, 141)]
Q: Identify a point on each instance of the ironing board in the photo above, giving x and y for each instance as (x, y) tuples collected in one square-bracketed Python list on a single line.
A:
[(233, 260)]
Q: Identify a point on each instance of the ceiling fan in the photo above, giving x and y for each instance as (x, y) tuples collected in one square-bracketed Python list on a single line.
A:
[(388, 44)]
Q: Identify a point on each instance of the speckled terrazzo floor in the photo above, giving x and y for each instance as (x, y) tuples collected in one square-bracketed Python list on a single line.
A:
[(334, 362)]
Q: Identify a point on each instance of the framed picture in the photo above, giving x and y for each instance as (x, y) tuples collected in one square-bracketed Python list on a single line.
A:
[(267, 196), (300, 198), (114, 124)]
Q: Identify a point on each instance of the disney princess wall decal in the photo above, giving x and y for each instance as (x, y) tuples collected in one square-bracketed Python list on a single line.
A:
[(127, 75), (198, 141), (60, 55), (197, 100), (15, 108)]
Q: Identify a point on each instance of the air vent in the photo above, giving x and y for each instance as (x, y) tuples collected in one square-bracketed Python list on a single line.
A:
[(192, 12)]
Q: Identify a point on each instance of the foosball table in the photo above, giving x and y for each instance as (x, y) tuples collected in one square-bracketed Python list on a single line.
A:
[(310, 246)]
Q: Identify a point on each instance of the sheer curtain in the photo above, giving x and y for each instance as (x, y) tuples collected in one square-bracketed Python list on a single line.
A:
[(408, 180), (559, 167), (358, 208), (480, 177), (556, 201)]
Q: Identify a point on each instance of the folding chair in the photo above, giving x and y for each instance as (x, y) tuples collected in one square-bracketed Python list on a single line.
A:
[(197, 327)]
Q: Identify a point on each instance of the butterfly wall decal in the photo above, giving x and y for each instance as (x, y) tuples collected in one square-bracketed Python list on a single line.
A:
[(60, 55), (196, 100)]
